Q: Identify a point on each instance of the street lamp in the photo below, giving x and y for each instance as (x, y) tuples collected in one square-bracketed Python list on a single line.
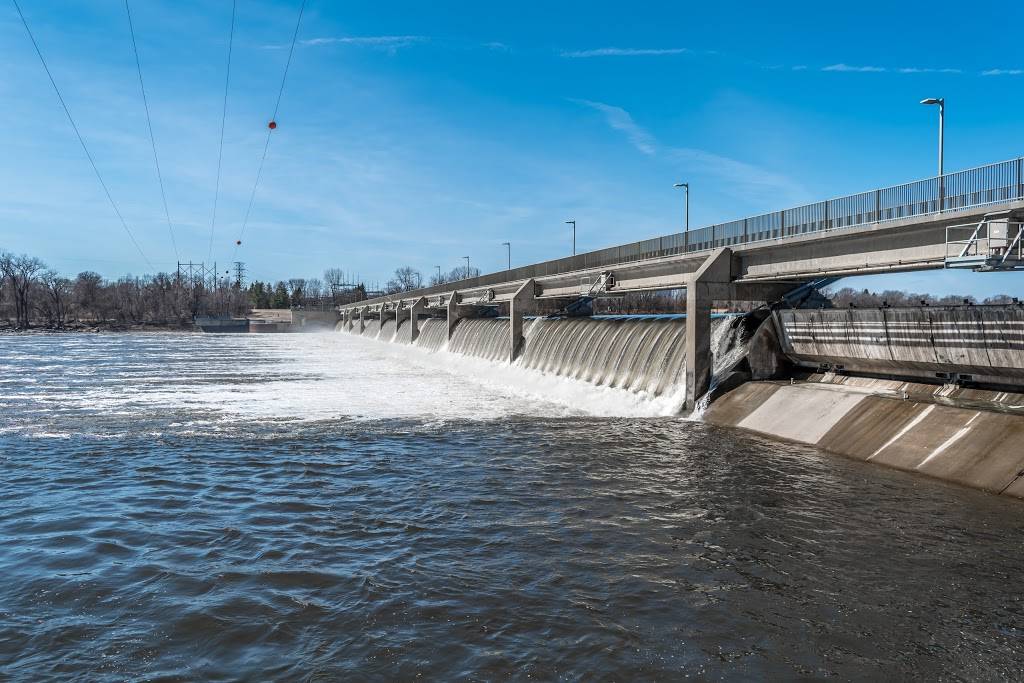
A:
[(941, 102), (508, 248), (686, 187), (573, 236)]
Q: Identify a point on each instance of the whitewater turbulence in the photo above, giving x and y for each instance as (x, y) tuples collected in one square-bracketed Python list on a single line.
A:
[(642, 356)]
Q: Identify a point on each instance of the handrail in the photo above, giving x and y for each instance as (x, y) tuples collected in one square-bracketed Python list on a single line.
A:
[(952, 192)]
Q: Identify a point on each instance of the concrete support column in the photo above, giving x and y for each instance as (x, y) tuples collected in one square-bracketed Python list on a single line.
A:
[(345, 322), (363, 313), (401, 313), (454, 313), (524, 301), (710, 279), (414, 318)]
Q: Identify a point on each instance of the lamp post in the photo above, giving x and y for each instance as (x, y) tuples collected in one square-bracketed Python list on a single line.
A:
[(438, 274), (573, 236), (508, 248), (941, 102), (686, 187), (467, 266)]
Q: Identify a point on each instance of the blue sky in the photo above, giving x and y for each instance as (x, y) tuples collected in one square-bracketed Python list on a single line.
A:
[(416, 133)]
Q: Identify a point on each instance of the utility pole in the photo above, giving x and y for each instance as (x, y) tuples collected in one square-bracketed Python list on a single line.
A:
[(467, 266)]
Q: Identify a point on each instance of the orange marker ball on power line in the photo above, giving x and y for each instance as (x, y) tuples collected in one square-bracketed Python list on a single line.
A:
[(272, 125)]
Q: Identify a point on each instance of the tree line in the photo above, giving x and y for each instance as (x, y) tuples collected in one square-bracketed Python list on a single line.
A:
[(33, 294), (848, 297)]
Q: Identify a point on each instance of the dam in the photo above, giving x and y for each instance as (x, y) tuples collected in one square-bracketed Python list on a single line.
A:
[(880, 385), (933, 390)]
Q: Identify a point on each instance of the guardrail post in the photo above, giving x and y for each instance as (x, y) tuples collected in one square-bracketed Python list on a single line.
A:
[(878, 205), (827, 226), (782, 223), (1020, 179)]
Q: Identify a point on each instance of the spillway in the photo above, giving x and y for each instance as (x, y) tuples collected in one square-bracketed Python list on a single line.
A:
[(641, 354)]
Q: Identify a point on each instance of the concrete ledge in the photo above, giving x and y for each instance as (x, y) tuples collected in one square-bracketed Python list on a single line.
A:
[(968, 445)]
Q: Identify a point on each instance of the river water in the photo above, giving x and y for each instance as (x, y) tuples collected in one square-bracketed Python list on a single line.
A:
[(327, 507)]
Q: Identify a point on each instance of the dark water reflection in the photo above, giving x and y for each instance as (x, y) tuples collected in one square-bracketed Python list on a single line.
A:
[(547, 548)]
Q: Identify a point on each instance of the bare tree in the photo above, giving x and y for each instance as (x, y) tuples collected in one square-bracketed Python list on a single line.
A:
[(405, 279), (88, 288), (462, 273), (314, 288), (20, 274), (56, 298), (335, 278)]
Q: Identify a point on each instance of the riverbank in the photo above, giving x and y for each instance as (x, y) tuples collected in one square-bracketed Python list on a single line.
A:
[(92, 326)]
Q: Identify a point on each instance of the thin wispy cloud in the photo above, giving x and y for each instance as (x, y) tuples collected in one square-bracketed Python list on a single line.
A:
[(846, 68), (1003, 72), (387, 42), (621, 120), (624, 52), (702, 161), (849, 68), (927, 70)]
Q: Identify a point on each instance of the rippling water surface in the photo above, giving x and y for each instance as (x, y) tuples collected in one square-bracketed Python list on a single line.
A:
[(326, 507)]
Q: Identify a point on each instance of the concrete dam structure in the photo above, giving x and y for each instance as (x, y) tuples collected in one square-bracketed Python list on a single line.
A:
[(811, 376), (973, 344), (971, 219), (933, 390), (642, 355)]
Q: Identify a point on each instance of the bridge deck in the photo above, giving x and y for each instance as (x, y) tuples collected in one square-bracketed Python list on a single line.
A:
[(885, 230)]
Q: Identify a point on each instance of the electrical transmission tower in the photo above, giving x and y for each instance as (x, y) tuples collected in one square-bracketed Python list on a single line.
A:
[(198, 274), (239, 274)]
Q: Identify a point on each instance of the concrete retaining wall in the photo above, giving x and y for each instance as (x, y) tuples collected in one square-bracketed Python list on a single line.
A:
[(985, 342), (972, 438)]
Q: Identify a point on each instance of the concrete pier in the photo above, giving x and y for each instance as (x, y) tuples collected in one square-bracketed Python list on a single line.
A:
[(414, 318), (523, 303), (702, 289), (455, 312)]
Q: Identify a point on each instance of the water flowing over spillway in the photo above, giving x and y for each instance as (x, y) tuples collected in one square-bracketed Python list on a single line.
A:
[(485, 338), (641, 354), (433, 334), (625, 353)]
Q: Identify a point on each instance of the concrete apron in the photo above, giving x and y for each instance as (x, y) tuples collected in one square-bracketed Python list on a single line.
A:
[(970, 445)]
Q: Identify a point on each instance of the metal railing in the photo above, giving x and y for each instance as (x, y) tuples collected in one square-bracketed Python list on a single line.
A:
[(971, 188), (991, 244)]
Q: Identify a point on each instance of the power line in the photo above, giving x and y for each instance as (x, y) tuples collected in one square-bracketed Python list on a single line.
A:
[(271, 126), (223, 120), (81, 140), (152, 138)]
